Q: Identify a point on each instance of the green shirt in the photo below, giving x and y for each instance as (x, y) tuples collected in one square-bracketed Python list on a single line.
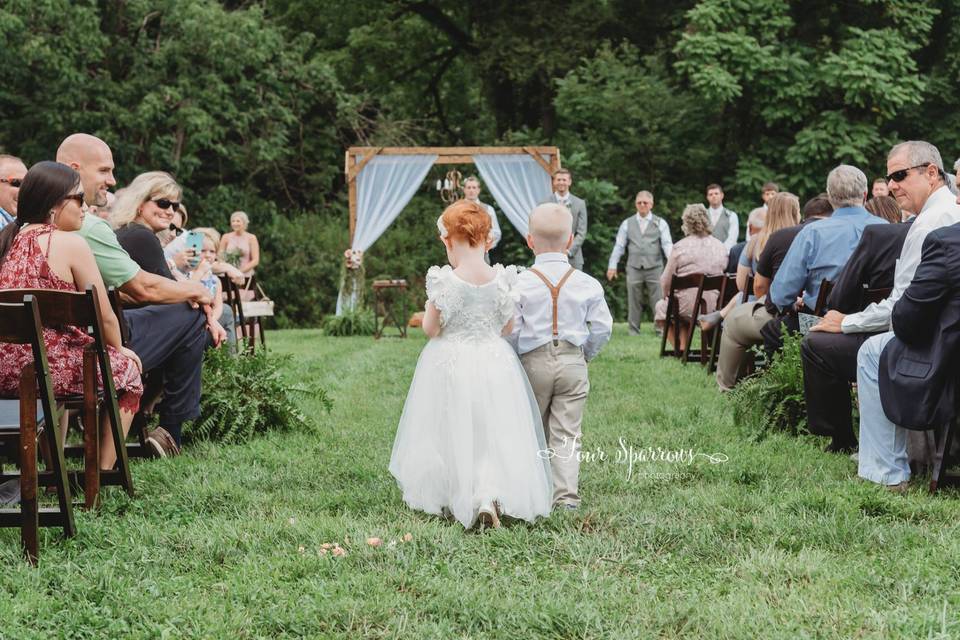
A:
[(115, 265)]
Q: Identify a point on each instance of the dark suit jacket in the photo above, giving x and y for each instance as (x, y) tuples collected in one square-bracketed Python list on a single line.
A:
[(872, 263), (919, 366), (733, 257)]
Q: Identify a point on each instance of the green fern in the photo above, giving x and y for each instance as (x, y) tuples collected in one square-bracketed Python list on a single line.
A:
[(245, 396), (772, 399)]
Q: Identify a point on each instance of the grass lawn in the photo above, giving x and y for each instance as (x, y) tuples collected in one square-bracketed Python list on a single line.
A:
[(779, 541)]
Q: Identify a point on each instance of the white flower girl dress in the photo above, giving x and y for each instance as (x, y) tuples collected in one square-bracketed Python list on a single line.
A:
[(470, 435)]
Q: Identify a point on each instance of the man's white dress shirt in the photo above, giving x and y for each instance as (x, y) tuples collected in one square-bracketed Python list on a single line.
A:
[(940, 210), (583, 318), (620, 245)]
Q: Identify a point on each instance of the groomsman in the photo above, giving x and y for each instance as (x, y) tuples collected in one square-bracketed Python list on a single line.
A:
[(646, 239), (471, 192), (724, 221), (562, 180)]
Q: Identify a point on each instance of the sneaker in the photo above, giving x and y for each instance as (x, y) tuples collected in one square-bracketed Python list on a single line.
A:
[(855, 456), (163, 443), (709, 320)]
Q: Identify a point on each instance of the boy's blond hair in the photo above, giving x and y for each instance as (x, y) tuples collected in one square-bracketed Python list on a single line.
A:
[(550, 227)]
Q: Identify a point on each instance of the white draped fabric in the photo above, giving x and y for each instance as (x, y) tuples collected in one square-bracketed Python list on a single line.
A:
[(517, 182), (384, 187)]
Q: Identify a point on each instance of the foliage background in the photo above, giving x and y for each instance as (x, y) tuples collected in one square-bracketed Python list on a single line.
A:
[(252, 103)]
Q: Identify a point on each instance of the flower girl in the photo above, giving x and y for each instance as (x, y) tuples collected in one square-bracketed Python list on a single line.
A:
[(470, 436)]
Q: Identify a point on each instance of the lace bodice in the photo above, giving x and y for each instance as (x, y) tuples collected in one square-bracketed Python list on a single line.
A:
[(468, 311)]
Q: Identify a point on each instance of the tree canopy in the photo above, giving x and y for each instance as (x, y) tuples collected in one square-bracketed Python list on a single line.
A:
[(251, 103)]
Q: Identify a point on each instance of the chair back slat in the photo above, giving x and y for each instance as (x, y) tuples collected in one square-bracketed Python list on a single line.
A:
[(56, 308), (826, 286), (869, 296)]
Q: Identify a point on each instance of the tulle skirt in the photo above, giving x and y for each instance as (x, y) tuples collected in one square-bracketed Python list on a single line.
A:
[(471, 433)]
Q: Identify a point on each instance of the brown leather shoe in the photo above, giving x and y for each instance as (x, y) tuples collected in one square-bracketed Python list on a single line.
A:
[(163, 443)]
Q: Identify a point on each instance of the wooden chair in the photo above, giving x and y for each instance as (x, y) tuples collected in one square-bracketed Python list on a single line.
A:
[(939, 476), (82, 310), (826, 286), (674, 320), (231, 294), (20, 324), (707, 283), (253, 326), (727, 292)]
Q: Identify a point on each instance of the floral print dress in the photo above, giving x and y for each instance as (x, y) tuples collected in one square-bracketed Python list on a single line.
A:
[(26, 267)]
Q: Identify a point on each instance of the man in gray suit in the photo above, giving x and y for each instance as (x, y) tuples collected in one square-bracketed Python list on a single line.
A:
[(562, 179), (646, 239), (725, 225)]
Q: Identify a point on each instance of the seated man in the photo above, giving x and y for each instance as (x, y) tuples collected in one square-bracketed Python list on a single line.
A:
[(169, 336), (907, 378), (820, 250), (829, 352)]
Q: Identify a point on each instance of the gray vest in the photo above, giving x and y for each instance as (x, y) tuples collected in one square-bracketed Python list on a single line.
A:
[(722, 228), (643, 249)]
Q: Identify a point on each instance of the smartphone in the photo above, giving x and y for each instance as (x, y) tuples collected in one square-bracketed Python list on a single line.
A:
[(195, 242)]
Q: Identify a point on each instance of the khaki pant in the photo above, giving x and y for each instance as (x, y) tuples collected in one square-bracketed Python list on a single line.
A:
[(741, 330), (560, 384), (643, 285)]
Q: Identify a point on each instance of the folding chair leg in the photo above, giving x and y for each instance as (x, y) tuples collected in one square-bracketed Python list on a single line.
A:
[(714, 348), (29, 511), (666, 329), (939, 461), (58, 468)]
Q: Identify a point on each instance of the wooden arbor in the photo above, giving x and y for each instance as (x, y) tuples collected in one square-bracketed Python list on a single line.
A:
[(445, 155)]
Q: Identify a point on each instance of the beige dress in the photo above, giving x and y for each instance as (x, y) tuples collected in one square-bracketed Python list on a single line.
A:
[(692, 255)]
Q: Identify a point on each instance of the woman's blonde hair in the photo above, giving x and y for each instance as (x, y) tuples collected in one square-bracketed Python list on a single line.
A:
[(211, 234), (146, 186), (696, 221), (243, 216), (783, 211)]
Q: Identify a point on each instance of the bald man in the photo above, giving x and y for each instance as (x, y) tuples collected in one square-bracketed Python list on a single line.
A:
[(12, 171), (561, 323), (168, 335)]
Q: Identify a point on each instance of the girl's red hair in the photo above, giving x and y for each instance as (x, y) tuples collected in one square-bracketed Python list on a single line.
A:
[(467, 221)]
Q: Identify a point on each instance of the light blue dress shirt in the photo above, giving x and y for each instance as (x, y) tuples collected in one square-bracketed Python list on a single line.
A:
[(5, 218), (819, 251)]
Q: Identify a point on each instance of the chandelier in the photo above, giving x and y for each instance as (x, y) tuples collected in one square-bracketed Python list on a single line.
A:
[(449, 188)]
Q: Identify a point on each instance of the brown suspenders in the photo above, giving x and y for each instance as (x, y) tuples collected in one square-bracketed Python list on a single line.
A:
[(555, 294)]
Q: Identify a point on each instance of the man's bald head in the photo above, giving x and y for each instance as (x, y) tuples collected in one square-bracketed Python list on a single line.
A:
[(92, 159), (551, 229)]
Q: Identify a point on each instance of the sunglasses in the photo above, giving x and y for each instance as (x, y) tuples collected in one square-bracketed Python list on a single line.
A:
[(76, 196), (13, 182), (163, 203), (898, 176), (174, 228)]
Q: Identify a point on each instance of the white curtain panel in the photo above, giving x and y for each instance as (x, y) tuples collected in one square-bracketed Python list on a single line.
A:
[(517, 182), (384, 187)]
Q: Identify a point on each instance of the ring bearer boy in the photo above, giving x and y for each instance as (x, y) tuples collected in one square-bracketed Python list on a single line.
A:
[(561, 323)]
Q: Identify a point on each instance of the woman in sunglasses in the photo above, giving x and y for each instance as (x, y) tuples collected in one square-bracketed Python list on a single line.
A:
[(38, 252), (142, 209)]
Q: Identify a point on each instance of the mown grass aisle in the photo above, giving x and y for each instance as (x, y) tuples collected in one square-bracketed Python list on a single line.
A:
[(778, 541)]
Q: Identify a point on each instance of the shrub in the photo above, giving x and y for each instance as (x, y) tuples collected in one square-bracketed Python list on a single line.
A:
[(352, 323), (772, 400), (247, 395)]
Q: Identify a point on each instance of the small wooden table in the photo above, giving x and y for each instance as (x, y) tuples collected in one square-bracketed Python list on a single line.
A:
[(390, 306)]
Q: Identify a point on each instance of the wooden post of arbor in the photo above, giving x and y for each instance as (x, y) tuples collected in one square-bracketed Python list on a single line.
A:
[(445, 155)]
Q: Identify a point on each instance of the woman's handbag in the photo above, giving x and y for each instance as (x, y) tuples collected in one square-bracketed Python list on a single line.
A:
[(259, 306)]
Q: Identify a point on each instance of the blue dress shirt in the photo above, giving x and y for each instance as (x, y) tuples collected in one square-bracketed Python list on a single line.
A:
[(819, 251), (5, 218)]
